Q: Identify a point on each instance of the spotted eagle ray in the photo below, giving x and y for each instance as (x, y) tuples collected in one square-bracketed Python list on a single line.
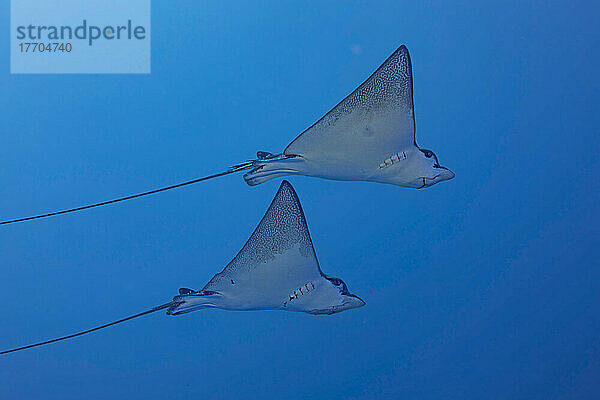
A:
[(368, 136), (277, 269)]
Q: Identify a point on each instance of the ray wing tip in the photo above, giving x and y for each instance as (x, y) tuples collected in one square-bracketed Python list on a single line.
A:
[(285, 184), (402, 49), (287, 188)]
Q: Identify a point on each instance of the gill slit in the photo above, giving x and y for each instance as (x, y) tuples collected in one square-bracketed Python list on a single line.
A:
[(294, 295), (393, 159)]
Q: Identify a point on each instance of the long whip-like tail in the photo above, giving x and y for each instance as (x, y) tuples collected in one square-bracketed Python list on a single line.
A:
[(235, 168), (97, 328)]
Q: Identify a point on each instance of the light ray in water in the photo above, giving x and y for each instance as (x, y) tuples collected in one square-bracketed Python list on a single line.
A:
[(368, 136), (277, 269)]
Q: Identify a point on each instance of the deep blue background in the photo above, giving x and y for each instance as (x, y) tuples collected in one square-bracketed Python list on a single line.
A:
[(484, 287)]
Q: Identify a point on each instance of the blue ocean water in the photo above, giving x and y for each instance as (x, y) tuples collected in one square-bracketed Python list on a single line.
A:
[(483, 287)]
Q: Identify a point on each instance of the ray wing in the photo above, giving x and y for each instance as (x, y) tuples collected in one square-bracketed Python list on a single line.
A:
[(278, 255), (374, 121)]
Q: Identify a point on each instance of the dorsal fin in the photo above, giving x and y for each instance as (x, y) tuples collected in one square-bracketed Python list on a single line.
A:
[(264, 155), (185, 291)]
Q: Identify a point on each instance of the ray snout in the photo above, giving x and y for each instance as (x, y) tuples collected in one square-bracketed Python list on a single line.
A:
[(445, 174), (441, 174)]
